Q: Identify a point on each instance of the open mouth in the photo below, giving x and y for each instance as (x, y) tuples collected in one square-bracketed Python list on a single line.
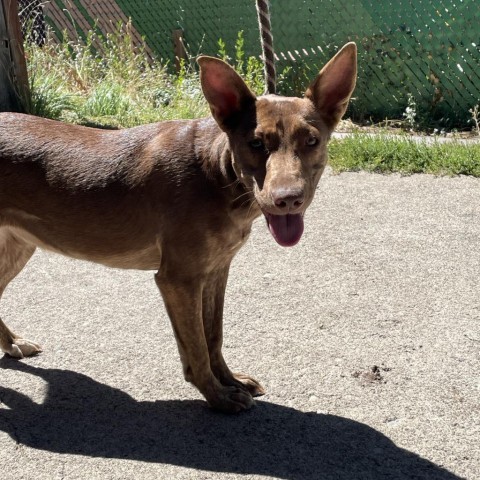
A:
[(285, 229)]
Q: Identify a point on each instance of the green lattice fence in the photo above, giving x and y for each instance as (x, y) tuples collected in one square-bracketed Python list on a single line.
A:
[(426, 49), (429, 49)]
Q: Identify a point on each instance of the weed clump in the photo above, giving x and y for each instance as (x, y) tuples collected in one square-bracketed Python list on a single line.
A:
[(108, 81)]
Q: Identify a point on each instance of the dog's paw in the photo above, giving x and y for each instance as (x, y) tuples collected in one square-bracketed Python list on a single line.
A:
[(245, 382), (253, 387), (231, 400), (21, 347)]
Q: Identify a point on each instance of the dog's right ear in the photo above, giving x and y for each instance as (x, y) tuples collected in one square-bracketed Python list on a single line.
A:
[(225, 91)]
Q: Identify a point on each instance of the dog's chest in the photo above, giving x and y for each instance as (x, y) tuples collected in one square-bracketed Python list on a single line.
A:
[(224, 244)]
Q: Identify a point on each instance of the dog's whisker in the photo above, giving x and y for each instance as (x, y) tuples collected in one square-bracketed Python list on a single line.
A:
[(249, 197), (242, 195), (245, 202), (251, 206), (235, 182), (252, 203)]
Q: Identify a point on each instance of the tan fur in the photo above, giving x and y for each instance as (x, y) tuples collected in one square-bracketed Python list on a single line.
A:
[(176, 197)]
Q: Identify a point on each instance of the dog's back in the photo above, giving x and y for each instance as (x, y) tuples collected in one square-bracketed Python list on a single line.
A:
[(79, 158), (58, 179)]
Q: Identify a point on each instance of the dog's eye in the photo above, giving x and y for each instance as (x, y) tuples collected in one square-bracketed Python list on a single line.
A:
[(256, 144), (311, 141)]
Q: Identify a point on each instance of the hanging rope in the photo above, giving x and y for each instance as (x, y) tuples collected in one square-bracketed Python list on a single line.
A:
[(263, 13)]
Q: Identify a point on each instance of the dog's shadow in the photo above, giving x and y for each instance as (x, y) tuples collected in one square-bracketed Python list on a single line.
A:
[(84, 417)]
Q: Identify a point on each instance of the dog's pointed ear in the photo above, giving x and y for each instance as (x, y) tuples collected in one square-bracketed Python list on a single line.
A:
[(225, 91), (334, 85)]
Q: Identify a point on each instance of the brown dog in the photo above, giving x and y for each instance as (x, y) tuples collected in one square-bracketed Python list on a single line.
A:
[(177, 197)]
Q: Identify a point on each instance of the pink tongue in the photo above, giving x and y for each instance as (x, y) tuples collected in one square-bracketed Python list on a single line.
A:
[(286, 229)]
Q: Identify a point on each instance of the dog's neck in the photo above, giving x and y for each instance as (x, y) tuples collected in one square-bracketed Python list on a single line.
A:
[(213, 151)]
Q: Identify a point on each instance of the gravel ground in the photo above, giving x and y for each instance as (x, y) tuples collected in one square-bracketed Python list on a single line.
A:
[(366, 336)]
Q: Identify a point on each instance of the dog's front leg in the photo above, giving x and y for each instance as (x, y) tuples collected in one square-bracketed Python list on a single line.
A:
[(212, 305), (183, 300)]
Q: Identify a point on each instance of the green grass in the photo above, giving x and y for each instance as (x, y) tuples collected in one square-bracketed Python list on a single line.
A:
[(107, 82), (387, 154)]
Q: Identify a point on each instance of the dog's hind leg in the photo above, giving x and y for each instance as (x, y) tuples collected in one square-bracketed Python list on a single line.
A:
[(14, 254), (212, 305)]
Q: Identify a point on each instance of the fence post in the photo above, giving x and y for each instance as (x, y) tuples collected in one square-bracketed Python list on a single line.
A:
[(178, 48), (14, 90)]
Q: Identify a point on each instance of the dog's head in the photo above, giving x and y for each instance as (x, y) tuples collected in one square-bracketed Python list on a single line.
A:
[(279, 144)]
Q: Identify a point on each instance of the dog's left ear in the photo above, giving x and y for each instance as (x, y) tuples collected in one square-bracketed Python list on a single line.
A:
[(225, 91), (334, 85)]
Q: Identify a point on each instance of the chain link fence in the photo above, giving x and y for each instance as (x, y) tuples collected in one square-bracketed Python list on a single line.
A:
[(420, 54)]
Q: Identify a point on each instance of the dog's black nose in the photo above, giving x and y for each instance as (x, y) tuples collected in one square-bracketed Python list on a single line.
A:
[(288, 199)]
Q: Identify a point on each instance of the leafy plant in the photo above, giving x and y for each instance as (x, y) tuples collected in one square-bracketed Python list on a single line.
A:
[(410, 113), (107, 99), (48, 97), (251, 68), (475, 112)]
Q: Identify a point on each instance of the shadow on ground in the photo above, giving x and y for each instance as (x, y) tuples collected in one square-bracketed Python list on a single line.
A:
[(83, 417)]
